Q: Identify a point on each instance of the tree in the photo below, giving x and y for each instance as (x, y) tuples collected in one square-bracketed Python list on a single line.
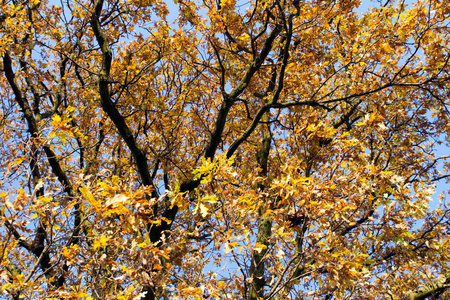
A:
[(244, 150)]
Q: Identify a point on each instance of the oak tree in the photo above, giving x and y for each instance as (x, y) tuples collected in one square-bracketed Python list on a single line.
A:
[(261, 149)]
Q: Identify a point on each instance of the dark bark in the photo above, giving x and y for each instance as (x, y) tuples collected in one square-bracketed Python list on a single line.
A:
[(433, 289)]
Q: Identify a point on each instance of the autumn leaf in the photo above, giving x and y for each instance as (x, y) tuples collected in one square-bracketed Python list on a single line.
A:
[(101, 242)]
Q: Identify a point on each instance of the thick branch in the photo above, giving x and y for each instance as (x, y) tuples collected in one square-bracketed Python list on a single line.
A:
[(257, 268), (32, 125), (37, 247), (255, 65), (265, 108), (230, 98), (435, 288), (110, 108), (228, 102), (119, 121)]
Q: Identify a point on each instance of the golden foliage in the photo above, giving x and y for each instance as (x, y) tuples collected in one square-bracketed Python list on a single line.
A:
[(224, 149)]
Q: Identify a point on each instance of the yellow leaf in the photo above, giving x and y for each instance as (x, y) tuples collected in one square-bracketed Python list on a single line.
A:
[(20, 279), (44, 199), (90, 199), (19, 160), (211, 199), (143, 244), (101, 242), (259, 247), (56, 119), (66, 252)]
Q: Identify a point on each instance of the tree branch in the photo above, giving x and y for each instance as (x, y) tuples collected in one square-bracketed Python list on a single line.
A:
[(435, 288), (110, 108)]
